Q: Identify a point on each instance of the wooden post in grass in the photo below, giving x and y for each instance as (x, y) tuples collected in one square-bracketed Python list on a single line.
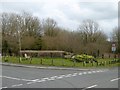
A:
[(30, 60), (62, 62), (84, 63), (92, 63), (51, 54), (41, 61), (109, 62), (74, 62), (97, 63), (105, 62), (52, 62)]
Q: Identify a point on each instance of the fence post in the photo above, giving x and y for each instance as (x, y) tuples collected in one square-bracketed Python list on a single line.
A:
[(97, 63), (105, 62), (62, 62), (30, 60), (41, 61), (52, 62), (92, 63), (74, 63), (84, 63)]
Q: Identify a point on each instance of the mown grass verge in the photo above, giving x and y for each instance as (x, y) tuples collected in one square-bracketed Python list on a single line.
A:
[(62, 62)]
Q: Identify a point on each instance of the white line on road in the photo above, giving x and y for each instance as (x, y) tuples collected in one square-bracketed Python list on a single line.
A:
[(89, 72), (11, 78), (68, 75), (80, 74), (59, 77), (34, 81), (90, 87), (114, 79), (17, 85), (97, 71), (3, 87), (51, 79), (26, 80), (62, 75), (16, 78), (84, 72), (74, 74), (54, 77), (94, 71)]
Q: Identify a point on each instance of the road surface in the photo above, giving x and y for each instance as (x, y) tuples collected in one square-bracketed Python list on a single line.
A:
[(21, 77)]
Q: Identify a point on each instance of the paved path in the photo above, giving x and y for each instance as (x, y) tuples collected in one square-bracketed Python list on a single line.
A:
[(21, 77)]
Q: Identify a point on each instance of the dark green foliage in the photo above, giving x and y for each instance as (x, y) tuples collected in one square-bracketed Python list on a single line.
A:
[(5, 47), (38, 44)]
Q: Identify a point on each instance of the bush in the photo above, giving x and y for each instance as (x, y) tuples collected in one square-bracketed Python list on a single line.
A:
[(118, 60), (83, 57)]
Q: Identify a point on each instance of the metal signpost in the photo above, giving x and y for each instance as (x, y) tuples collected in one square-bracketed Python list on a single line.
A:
[(113, 48)]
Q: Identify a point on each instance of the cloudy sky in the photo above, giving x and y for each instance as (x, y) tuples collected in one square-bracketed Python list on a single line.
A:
[(68, 13)]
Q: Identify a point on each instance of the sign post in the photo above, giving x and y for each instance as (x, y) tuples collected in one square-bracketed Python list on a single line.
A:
[(113, 48)]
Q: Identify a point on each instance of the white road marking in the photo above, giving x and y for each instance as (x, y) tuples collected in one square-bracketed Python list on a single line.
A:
[(94, 71), (68, 75), (51, 79), (42, 80), (31, 82), (80, 74), (16, 78), (89, 72), (11, 78), (97, 71), (60, 77), (92, 86), (54, 77), (27, 80), (45, 78), (114, 79), (84, 72), (17, 85), (74, 74), (3, 87), (34, 81)]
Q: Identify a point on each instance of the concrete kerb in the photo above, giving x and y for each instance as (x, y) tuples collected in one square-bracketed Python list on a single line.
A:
[(40, 67)]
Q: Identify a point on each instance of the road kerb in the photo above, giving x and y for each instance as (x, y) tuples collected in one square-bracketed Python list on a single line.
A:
[(38, 67)]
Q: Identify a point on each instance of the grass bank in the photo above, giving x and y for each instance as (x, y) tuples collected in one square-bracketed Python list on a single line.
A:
[(62, 62)]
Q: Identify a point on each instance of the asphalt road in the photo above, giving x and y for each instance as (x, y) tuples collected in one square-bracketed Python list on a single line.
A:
[(21, 77)]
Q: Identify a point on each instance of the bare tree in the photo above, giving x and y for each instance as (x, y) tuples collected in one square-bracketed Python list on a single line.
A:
[(49, 26), (116, 37), (90, 31), (15, 26), (91, 36)]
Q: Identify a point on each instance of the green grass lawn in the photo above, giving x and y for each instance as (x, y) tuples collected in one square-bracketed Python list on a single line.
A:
[(59, 62)]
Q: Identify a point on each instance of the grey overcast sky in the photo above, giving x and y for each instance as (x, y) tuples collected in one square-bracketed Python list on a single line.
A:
[(68, 13)]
